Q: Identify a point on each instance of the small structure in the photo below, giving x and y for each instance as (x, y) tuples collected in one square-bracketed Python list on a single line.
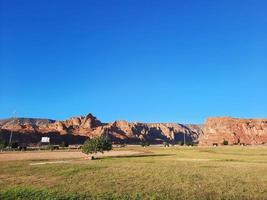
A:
[(45, 140)]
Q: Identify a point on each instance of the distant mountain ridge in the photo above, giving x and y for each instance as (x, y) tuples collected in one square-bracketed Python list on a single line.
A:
[(25, 121)]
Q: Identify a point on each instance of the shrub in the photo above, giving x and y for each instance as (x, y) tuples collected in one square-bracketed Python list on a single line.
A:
[(97, 144), (3, 144), (144, 143), (123, 145), (166, 144), (22, 148), (238, 141), (190, 143), (49, 147), (64, 144), (14, 144), (225, 142)]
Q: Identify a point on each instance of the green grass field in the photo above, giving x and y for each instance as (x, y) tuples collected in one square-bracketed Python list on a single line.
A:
[(159, 173)]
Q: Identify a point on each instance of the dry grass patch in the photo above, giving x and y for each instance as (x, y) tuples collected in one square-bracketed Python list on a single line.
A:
[(158, 173)]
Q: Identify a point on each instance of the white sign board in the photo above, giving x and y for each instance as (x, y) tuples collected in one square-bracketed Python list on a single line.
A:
[(45, 139)]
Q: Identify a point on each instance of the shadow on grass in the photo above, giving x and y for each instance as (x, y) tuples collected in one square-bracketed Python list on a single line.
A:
[(137, 156)]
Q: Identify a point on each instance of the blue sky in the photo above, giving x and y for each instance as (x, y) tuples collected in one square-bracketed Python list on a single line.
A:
[(151, 61)]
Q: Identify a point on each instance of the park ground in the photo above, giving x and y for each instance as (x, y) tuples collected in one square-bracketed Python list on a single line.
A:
[(132, 172)]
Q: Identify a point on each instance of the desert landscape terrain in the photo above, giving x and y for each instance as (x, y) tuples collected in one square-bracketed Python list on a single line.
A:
[(225, 158), (133, 100)]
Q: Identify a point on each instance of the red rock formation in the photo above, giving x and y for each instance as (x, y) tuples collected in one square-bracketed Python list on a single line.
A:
[(79, 125), (123, 131), (215, 130), (234, 131), (118, 131)]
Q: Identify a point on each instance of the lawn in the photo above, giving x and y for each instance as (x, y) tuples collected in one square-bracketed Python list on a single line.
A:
[(156, 173)]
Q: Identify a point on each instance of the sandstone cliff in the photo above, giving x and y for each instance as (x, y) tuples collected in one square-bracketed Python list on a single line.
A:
[(77, 129), (31, 130), (234, 131)]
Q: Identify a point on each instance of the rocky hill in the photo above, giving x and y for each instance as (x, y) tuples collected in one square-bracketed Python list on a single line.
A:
[(77, 129), (234, 131)]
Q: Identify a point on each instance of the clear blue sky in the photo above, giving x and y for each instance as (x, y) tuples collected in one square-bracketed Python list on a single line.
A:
[(151, 61)]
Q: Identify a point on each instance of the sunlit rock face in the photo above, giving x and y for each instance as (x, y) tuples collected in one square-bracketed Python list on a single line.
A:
[(214, 131), (123, 131), (118, 131), (234, 131)]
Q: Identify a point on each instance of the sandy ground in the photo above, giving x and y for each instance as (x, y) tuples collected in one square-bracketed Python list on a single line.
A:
[(56, 155)]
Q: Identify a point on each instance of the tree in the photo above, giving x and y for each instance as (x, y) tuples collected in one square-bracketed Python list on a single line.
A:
[(97, 144)]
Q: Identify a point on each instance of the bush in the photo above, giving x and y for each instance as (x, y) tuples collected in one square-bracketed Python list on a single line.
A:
[(3, 144), (97, 144), (50, 147), (225, 142), (190, 143), (22, 148), (144, 143), (14, 144), (166, 144), (64, 144), (123, 145)]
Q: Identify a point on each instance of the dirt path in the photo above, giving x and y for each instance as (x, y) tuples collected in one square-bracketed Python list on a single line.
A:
[(56, 155)]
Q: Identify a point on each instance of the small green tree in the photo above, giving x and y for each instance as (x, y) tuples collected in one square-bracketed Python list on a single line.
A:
[(97, 144)]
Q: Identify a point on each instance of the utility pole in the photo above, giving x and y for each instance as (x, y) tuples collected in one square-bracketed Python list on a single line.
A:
[(11, 131), (184, 139)]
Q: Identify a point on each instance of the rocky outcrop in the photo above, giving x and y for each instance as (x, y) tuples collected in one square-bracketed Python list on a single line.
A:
[(77, 129), (82, 125), (234, 131), (123, 131), (90, 126)]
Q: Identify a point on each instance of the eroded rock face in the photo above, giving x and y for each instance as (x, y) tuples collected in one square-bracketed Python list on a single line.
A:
[(118, 131), (234, 131), (215, 130), (125, 132), (81, 125)]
